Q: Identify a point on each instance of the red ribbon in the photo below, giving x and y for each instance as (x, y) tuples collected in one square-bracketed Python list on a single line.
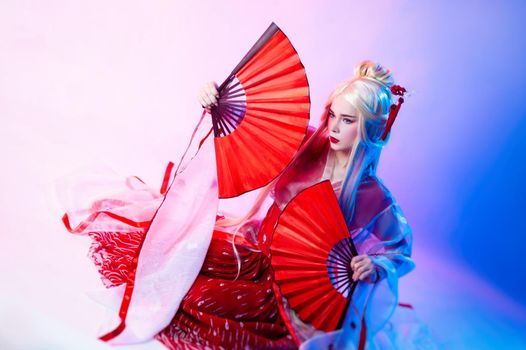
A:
[(130, 281), (83, 225), (395, 108)]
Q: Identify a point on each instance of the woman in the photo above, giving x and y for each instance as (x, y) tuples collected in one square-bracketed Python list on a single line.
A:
[(233, 302), (345, 149)]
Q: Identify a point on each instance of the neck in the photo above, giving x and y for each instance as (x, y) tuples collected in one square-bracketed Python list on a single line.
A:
[(342, 158)]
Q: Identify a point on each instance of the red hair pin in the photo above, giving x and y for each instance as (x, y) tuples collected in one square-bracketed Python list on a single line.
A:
[(393, 112)]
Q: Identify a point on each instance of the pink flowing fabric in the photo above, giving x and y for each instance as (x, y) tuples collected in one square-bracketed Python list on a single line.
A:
[(175, 230)]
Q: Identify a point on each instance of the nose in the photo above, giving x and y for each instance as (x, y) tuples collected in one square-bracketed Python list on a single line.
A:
[(335, 126)]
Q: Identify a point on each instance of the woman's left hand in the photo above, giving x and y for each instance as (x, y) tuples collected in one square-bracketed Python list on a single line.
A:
[(363, 268)]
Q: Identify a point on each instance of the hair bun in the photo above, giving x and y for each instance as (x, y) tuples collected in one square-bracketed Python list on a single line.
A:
[(369, 69)]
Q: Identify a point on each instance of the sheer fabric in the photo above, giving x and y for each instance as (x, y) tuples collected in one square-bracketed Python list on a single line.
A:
[(183, 266), (380, 230), (177, 228)]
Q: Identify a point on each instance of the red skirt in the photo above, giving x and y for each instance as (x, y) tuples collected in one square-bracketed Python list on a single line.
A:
[(222, 312)]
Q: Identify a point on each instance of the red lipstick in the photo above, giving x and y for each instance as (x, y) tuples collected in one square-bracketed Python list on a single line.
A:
[(333, 140)]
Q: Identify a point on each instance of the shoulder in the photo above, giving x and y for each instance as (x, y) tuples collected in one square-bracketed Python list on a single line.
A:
[(372, 197), (310, 130), (373, 190), (308, 133)]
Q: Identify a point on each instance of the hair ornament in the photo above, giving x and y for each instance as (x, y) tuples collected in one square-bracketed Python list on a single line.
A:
[(395, 108)]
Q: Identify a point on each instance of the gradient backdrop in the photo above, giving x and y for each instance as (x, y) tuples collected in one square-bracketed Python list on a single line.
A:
[(115, 84)]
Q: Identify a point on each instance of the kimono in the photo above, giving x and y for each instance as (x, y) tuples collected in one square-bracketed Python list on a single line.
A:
[(380, 230), (170, 274)]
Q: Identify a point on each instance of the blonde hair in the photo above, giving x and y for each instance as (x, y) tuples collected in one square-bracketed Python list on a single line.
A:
[(369, 92)]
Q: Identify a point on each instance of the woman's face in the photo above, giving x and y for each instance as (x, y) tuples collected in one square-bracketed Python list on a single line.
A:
[(342, 124)]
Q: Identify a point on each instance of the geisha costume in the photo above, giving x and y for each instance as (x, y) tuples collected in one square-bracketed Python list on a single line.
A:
[(192, 285)]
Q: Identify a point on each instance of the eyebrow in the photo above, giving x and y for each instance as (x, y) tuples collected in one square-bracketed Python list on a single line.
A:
[(344, 115)]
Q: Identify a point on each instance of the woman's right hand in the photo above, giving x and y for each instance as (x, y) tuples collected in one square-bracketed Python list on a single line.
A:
[(208, 96)]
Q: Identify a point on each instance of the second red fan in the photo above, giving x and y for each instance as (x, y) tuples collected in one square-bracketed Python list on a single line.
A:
[(311, 254)]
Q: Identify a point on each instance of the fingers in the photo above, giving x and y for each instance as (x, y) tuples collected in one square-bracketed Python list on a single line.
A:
[(208, 95), (362, 267), (357, 260), (205, 100), (363, 272), (212, 90)]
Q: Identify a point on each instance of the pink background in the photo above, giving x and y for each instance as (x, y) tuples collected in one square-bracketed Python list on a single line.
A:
[(115, 84)]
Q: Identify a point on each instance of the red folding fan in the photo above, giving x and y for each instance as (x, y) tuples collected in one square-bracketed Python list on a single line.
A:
[(262, 115), (311, 255)]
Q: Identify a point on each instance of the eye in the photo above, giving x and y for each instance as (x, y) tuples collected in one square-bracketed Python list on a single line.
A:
[(348, 120), (331, 115)]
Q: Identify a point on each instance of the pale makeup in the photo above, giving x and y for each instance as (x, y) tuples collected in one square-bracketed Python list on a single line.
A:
[(342, 125)]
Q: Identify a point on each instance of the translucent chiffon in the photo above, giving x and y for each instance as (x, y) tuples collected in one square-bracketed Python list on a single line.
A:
[(118, 213), (375, 319)]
